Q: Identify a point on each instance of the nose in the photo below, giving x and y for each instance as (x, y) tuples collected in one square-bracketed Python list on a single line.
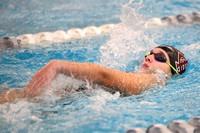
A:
[(149, 58)]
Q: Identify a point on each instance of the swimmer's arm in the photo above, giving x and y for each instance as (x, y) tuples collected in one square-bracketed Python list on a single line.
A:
[(128, 83), (83, 71)]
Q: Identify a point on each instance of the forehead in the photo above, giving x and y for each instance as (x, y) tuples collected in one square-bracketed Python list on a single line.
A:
[(159, 50)]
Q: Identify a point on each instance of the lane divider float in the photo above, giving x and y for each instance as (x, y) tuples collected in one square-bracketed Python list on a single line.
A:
[(183, 19), (176, 126), (91, 31)]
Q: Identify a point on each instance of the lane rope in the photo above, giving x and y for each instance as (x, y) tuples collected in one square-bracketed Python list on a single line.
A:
[(91, 31), (176, 126)]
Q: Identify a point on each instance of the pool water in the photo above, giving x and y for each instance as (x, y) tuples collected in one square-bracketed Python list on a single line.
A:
[(96, 110)]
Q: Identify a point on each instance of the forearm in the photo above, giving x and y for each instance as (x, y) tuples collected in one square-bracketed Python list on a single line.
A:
[(42, 78)]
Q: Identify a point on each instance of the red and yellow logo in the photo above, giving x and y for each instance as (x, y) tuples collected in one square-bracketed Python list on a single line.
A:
[(181, 64)]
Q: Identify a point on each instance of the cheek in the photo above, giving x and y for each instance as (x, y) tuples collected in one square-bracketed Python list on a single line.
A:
[(165, 67)]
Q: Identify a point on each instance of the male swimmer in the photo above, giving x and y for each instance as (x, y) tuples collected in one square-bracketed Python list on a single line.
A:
[(166, 58)]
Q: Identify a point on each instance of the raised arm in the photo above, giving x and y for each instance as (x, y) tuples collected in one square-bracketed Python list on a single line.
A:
[(83, 71), (45, 76), (128, 83)]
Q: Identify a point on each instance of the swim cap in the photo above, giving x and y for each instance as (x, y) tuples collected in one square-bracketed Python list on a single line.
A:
[(176, 57)]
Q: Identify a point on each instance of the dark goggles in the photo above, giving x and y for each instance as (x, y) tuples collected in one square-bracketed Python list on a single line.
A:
[(160, 57)]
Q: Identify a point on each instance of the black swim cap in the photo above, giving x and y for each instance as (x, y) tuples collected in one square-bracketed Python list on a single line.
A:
[(176, 57)]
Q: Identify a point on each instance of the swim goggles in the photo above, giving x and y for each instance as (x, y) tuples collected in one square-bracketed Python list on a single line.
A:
[(160, 57)]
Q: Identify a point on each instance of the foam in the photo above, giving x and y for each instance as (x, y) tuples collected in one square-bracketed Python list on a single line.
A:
[(127, 41), (101, 99)]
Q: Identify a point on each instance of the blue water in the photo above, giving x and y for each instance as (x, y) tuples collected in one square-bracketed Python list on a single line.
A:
[(96, 110)]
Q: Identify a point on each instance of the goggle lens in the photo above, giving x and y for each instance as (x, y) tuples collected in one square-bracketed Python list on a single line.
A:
[(158, 56)]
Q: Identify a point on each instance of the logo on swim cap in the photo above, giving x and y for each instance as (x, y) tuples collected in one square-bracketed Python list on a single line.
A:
[(181, 64)]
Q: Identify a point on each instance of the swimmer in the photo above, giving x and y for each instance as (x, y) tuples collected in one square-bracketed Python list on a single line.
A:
[(166, 58)]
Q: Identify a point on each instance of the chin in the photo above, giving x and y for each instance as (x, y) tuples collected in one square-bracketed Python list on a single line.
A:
[(144, 67), (151, 70), (144, 70)]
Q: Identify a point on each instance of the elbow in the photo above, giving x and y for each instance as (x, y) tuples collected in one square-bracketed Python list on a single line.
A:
[(53, 62), (54, 65), (97, 74), (103, 78)]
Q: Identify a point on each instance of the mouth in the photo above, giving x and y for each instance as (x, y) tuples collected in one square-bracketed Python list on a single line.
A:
[(144, 67)]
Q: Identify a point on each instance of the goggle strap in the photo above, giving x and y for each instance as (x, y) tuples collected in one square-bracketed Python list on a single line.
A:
[(172, 67)]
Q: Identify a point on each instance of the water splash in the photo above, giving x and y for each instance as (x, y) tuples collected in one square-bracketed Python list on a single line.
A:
[(128, 40), (100, 99)]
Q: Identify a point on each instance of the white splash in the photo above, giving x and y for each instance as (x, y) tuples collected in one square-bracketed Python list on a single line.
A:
[(127, 40), (100, 100)]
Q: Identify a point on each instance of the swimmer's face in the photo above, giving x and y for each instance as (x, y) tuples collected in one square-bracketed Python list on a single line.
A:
[(150, 62)]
